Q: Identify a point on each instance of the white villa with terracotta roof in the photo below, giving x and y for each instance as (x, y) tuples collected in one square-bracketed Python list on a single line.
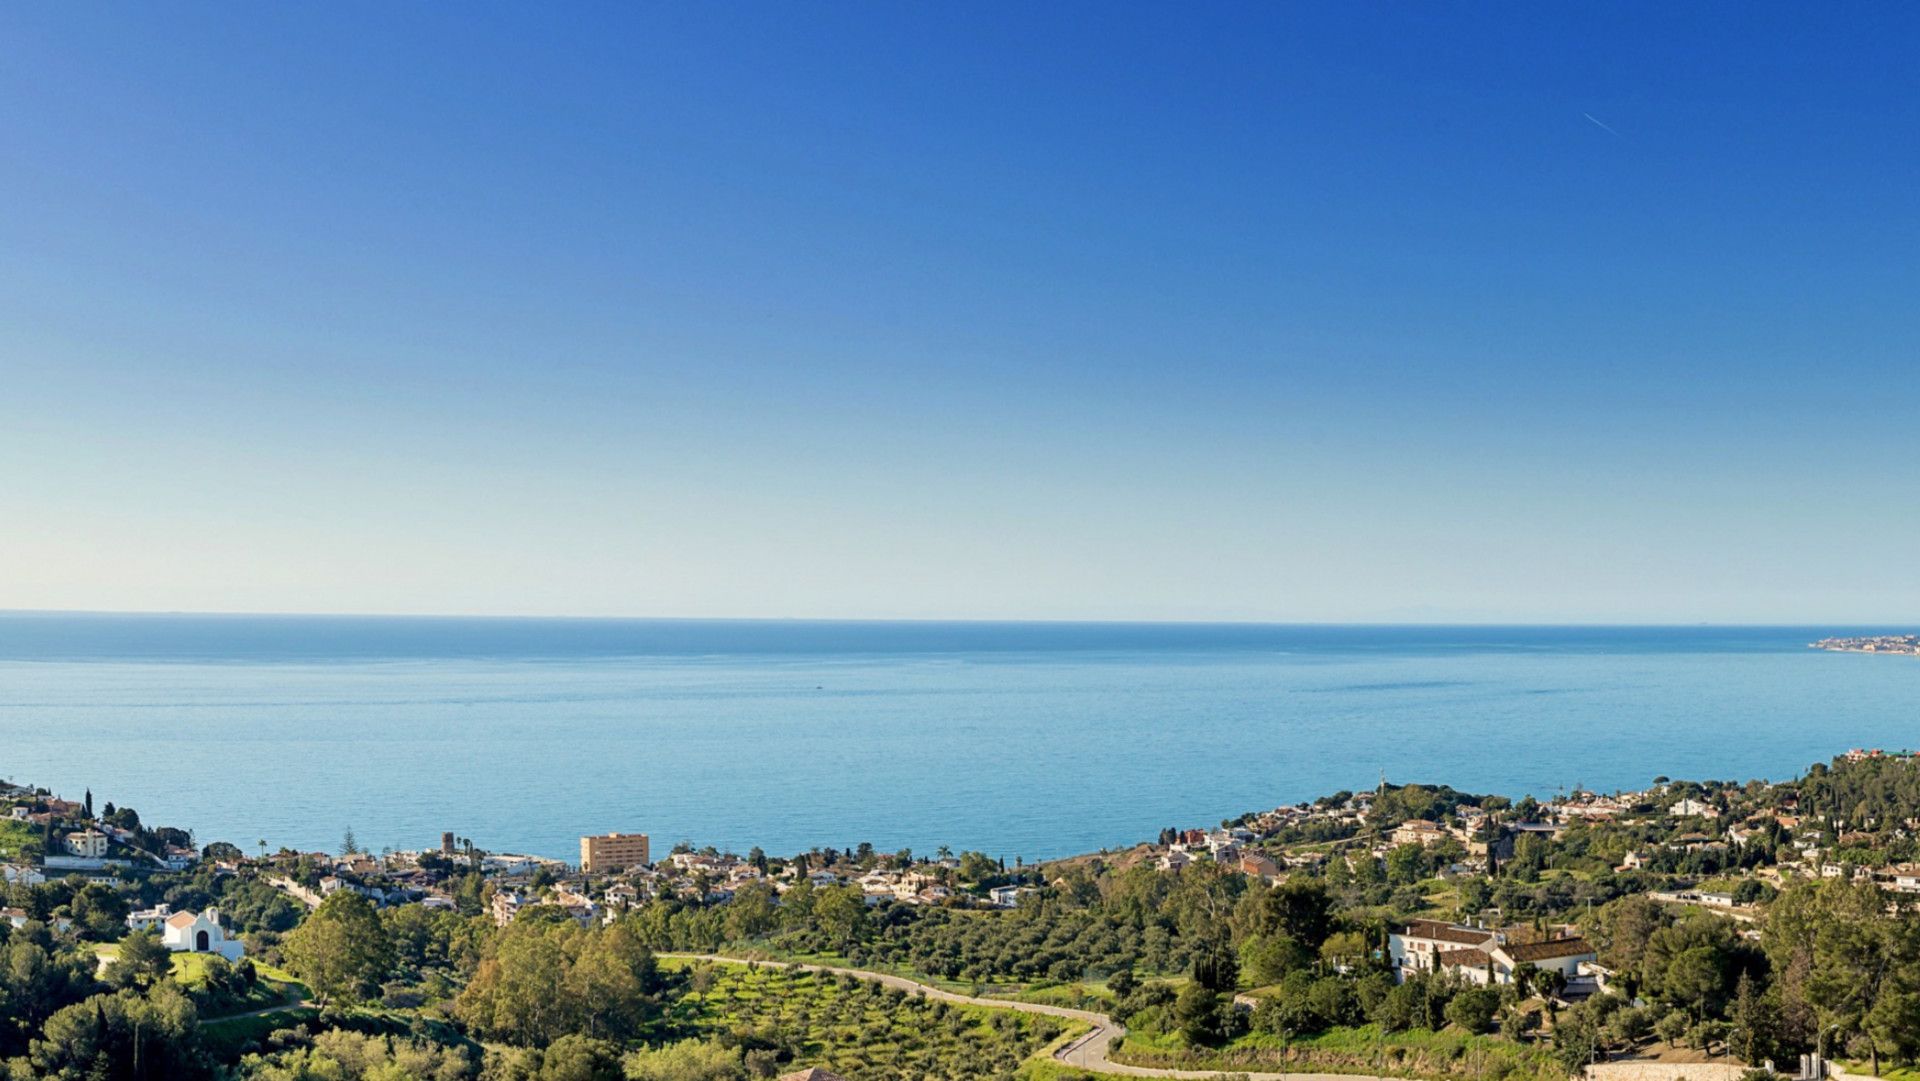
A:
[(1482, 955)]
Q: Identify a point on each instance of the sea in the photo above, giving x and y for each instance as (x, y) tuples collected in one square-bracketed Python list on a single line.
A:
[(1022, 740)]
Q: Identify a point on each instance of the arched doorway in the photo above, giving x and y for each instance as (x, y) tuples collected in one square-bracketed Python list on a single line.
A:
[(200, 941)]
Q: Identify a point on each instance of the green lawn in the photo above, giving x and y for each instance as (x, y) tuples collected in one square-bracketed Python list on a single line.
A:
[(190, 969)]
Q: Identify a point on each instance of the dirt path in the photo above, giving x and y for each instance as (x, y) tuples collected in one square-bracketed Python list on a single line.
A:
[(1089, 1052), (305, 1003)]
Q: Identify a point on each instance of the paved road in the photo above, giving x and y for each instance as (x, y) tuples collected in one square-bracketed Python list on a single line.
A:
[(1089, 1052)]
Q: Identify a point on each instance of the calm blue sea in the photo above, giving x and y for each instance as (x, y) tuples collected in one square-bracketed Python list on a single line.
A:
[(1019, 739)]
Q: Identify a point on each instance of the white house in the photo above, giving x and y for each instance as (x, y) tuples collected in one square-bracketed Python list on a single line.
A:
[(510, 864), (1900, 878), (1422, 943), (146, 919), (1475, 966), (189, 932), (1691, 808), (1481, 955), (1419, 831), (1008, 896), (90, 844), (1562, 955), (507, 905)]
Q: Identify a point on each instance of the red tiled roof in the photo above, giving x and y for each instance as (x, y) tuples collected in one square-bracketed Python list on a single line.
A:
[(1552, 948), (1446, 932)]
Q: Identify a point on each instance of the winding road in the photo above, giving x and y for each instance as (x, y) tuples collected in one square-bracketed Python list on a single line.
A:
[(1088, 1052)]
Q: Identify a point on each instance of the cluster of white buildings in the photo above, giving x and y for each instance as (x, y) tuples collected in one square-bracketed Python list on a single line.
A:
[(1693, 808), (1223, 845)]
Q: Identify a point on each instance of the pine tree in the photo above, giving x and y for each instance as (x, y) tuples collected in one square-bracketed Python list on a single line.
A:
[(1751, 1036)]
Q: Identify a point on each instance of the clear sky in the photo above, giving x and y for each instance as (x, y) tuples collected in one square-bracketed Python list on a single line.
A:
[(1280, 311)]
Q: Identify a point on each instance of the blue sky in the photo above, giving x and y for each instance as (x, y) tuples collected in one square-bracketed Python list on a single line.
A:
[(1291, 312)]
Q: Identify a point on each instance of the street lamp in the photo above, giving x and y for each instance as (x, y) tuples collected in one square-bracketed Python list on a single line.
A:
[(1822, 1042)]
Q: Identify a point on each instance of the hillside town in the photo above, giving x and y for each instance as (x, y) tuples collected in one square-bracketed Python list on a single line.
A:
[(1420, 886), (1684, 833)]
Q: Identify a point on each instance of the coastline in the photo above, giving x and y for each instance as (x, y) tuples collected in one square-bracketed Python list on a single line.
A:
[(1896, 644), (1020, 754)]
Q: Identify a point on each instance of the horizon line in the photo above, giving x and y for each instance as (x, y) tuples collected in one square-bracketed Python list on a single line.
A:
[(979, 620)]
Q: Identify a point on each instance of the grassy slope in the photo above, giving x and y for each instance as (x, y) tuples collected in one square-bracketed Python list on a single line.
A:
[(15, 836), (1447, 1053)]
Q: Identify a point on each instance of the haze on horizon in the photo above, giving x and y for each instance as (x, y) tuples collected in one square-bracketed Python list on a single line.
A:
[(1289, 313)]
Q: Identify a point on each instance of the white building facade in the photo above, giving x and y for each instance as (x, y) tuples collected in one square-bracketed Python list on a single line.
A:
[(190, 932)]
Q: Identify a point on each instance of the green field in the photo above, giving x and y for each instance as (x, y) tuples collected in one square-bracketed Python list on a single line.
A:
[(190, 969)]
